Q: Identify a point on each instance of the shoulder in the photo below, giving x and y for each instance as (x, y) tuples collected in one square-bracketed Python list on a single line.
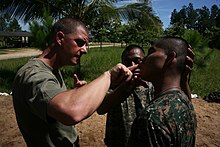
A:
[(35, 74), (165, 105), (35, 68)]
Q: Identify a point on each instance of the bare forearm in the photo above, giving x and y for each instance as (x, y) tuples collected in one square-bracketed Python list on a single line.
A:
[(73, 106)]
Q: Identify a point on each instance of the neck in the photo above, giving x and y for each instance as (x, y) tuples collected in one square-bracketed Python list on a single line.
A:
[(165, 86), (49, 57), (166, 90)]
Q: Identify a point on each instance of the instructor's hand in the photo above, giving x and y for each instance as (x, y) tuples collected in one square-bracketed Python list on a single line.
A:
[(121, 73)]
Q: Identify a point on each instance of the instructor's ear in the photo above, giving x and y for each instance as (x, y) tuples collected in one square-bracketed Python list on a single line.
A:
[(59, 37)]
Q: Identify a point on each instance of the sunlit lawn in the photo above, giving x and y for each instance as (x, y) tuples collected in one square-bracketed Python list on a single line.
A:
[(203, 81)]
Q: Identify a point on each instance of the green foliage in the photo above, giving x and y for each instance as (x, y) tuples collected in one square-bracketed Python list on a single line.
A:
[(8, 24), (195, 39), (93, 64), (175, 30), (41, 31), (96, 14), (205, 21), (8, 69), (39, 35), (215, 37), (200, 47)]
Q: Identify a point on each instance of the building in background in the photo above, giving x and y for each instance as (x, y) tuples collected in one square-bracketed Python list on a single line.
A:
[(14, 39)]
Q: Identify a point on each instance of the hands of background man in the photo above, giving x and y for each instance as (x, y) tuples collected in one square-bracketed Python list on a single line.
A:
[(186, 74), (189, 64)]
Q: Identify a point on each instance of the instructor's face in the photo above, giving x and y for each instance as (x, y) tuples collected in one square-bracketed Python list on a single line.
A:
[(75, 45)]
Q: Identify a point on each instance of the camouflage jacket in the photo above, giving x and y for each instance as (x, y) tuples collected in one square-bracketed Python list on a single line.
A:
[(121, 117), (169, 120)]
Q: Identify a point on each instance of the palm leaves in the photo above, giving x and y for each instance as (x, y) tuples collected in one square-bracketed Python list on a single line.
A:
[(85, 10), (33, 9), (98, 15)]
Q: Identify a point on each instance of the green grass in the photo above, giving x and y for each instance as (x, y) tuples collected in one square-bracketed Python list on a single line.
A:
[(94, 64), (207, 80), (203, 81), (8, 70)]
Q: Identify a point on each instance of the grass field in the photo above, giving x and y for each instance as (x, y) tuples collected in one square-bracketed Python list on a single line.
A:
[(206, 80), (203, 80)]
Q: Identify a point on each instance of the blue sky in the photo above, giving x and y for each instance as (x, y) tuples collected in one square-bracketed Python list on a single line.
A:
[(164, 8)]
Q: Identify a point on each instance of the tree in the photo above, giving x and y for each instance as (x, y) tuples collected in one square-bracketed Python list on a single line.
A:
[(191, 17), (179, 17), (200, 47), (7, 24), (41, 31), (139, 28), (175, 30), (84, 10), (114, 32), (14, 26), (96, 14), (215, 13), (203, 20)]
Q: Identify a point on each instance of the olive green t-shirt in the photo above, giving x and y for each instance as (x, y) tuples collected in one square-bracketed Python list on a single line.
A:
[(34, 86)]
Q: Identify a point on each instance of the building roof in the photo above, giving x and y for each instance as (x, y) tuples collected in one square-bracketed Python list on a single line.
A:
[(11, 34)]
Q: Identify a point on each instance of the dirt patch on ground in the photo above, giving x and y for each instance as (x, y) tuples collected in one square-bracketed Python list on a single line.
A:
[(91, 131), (26, 52)]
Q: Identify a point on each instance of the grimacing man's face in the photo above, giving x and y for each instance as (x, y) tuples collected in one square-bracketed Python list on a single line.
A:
[(75, 45)]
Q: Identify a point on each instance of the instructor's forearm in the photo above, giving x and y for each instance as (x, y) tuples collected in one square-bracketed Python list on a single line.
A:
[(73, 106)]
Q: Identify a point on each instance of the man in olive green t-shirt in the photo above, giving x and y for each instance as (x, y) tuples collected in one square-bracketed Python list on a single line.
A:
[(46, 111)]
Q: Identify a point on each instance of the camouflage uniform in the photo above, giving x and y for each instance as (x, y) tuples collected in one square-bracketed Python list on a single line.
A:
[(169, 120), (121, 117)]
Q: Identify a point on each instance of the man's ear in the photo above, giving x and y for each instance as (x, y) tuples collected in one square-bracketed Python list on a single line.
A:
[(170, 57), (59, 37)]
